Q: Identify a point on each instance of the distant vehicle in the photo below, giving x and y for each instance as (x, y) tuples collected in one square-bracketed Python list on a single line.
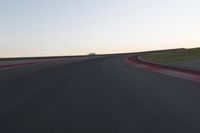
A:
[(92, 54)]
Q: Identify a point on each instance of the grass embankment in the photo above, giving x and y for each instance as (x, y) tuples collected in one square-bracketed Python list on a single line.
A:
[(173, 56)]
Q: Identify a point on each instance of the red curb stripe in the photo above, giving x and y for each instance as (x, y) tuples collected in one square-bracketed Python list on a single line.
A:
[(167, 70), (28, 63), (21, 64), (137, 60)]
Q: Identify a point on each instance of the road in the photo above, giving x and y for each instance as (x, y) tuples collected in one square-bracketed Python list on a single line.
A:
[(103, 95), (191, 64)]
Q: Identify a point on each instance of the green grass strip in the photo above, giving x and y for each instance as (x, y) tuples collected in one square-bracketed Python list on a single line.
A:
[(174, 56)]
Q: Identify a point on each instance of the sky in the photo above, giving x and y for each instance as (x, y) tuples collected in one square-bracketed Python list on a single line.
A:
[(76, 27)]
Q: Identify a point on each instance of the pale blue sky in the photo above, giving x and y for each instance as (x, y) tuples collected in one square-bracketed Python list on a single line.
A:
[(69, 27)]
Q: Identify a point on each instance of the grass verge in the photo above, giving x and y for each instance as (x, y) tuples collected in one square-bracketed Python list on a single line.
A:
[(174, 56)]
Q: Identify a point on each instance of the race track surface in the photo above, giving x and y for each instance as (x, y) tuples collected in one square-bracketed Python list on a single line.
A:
[(191, 64), (103, 95)]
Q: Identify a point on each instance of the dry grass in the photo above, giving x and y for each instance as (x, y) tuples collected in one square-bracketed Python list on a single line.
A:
[(173, 56)]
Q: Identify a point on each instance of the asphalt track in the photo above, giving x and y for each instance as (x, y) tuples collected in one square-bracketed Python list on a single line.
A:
[(192, 64), (103, 95)]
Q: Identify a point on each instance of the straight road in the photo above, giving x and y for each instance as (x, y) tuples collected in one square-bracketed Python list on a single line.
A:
[(102, 95)]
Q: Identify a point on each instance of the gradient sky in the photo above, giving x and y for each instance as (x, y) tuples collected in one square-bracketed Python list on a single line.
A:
[(69, 27)]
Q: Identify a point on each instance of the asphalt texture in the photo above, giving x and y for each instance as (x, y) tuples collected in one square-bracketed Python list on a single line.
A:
[(102, 95), (191, 64)]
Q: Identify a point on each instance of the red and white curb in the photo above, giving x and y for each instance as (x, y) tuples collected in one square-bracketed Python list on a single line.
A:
[(28, 63), (166, 70)]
